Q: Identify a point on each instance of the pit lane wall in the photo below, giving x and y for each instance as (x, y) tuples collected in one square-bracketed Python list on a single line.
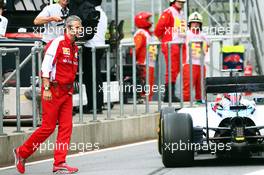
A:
[(86, 137)]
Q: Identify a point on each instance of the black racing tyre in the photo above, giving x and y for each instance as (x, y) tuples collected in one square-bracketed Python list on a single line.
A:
[(163, 111), (177, 138)]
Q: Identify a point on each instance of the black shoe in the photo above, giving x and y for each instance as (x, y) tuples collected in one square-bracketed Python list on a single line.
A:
[(166, 94), (173, 99), (166, 99), (99, 111), (104, 107)]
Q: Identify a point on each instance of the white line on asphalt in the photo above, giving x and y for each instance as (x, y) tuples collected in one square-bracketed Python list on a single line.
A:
[(260, 172), (86, 153)]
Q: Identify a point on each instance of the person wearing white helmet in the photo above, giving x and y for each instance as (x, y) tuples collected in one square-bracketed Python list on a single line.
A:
[(194, 32), (172, 27)]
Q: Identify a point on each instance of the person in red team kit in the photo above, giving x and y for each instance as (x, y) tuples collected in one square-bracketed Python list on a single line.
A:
[(172, 27), (141, 38), (59, 68), (194, 33)]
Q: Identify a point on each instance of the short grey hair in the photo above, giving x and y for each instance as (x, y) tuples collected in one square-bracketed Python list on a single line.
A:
[(71, 19)]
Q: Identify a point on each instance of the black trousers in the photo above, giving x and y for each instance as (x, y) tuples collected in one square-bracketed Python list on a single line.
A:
[(88, 78)]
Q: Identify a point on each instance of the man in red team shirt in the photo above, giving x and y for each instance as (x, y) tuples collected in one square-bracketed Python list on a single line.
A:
[(141, 38), (59, 68), (172, 27)]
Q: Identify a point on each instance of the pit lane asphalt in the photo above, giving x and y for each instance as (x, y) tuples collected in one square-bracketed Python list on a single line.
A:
[(143, 159)]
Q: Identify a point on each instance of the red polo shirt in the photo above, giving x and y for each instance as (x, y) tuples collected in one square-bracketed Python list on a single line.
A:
[(60, 61)]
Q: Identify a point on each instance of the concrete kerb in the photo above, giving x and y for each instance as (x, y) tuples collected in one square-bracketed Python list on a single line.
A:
[(94, 135)]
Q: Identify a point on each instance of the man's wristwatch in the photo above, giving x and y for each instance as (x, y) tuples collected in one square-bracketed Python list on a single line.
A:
[(46, 88)]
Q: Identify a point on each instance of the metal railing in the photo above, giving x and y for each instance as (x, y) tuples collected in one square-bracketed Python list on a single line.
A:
[(180, 44), (107, 48), (134, 77), (160, 76), (37, 52), (16, 52), (211, 65), (170, 44), (121, 82), (80, 84), (147, 73), (202, 57)]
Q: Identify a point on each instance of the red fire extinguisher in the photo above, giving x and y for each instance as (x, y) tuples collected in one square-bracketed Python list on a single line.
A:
[(248, 71)]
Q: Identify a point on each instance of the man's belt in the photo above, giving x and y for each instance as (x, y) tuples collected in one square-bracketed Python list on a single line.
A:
[(61, 85)]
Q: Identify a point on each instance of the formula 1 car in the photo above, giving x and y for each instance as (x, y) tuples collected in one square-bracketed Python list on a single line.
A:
[(230, 127)]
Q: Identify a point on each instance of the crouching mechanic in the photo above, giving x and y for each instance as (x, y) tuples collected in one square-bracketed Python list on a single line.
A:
[(59, 68), (194, 33), (141, 38)]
